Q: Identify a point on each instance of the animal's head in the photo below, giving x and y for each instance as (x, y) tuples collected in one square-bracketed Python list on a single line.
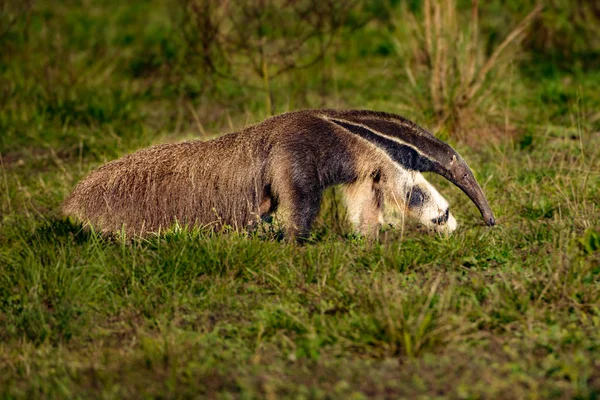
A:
[(425, 204), (416, 149)]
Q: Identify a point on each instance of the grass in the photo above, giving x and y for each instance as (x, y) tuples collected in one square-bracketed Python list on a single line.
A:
[(507, 312)]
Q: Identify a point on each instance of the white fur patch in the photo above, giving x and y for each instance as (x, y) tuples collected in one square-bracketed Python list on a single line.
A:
[(433, 208)]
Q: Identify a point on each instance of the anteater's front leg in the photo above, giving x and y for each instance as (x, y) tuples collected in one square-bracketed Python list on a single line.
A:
[(298, 208), (298, 202)]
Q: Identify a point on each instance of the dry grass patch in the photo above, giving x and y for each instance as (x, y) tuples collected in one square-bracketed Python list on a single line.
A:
[(446, 55)]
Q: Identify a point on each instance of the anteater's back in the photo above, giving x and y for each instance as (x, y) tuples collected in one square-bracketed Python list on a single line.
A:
[(186, 183)]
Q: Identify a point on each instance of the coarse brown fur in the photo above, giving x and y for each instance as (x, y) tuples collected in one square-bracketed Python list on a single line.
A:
[(283, 163)]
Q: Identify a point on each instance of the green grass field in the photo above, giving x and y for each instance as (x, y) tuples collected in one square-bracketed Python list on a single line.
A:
[(506, 312)]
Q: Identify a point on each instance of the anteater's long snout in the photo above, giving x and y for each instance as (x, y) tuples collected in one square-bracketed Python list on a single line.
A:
[(459, 173), (473, 190)]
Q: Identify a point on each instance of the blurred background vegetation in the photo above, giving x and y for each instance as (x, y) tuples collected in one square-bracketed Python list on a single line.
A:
[(77, 74)]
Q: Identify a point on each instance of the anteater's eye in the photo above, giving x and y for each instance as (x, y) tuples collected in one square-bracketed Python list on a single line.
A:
[(415, 197)]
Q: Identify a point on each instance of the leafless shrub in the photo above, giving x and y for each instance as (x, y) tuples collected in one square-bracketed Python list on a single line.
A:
[(255, 41), (447, 55), (11, 11)]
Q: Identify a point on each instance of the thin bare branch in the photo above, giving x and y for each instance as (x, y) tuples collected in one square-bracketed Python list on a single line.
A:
[(428, 42), (512, 36)]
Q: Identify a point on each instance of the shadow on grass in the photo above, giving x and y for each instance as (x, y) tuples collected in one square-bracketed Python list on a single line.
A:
[(66, 230), (61, 229)]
